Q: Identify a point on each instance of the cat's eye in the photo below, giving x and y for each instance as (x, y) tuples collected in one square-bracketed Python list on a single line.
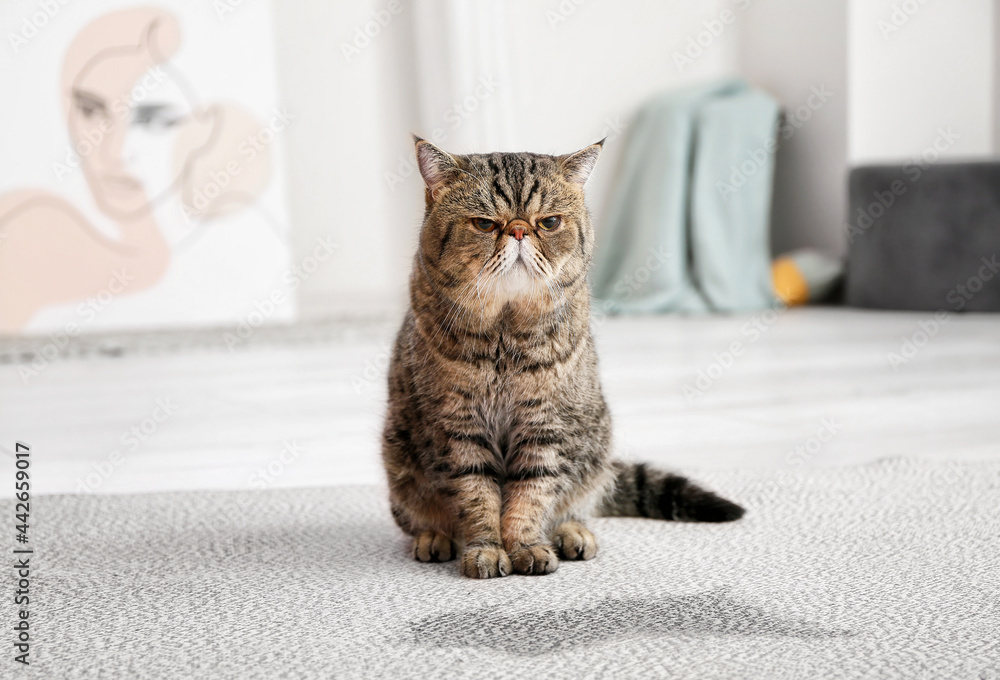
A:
[(483, 224), (549, 223)]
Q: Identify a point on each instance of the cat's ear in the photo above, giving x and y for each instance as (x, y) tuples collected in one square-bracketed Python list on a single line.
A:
[(436, 167), (578, 166)]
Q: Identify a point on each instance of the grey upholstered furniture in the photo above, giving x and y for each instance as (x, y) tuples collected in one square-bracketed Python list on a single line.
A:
[(925, 237)]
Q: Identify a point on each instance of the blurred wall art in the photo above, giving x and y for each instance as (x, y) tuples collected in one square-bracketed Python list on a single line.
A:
[(143, 186)]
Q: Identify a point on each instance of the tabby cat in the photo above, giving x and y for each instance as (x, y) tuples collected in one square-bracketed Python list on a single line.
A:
[(496, 441)]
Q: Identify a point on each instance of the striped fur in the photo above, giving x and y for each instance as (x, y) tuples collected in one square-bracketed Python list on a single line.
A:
[(642, 492), (496, 440)]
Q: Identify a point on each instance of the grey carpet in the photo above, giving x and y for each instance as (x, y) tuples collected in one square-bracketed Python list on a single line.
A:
[(887, 570)]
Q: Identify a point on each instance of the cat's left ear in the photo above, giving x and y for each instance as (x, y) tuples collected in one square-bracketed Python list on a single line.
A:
[(578, 166), (436, 166)]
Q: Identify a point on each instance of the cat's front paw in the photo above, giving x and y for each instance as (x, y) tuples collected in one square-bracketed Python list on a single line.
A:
[(430, 546), (485, 561), (534, 559), (574, 541)]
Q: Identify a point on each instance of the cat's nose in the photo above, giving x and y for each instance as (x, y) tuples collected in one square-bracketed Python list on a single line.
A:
[(517, 229)]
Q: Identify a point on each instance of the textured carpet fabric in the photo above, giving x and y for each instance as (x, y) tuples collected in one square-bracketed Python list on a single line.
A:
[(886, 570)]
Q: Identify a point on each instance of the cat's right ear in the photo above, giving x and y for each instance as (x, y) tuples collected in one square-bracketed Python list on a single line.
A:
[(436, 167)]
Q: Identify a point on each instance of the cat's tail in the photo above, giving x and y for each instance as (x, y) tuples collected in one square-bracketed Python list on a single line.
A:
[(643, 492)]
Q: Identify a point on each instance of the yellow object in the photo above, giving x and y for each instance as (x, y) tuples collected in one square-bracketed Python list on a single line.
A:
[(790, 284)]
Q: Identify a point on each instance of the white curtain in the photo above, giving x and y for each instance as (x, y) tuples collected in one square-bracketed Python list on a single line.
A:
[(464, 81)]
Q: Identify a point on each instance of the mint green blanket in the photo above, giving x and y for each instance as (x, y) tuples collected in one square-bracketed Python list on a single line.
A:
[(688, 224)]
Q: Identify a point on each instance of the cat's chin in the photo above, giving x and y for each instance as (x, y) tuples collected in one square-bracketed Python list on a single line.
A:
[(519, 283)]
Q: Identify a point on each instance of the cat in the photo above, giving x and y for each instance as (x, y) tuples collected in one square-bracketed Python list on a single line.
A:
[(497, 436)]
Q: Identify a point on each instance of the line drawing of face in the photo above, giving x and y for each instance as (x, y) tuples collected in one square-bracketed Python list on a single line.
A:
[(142, 138), (97, 84), (154, 129), (129, 109), (146, 133)]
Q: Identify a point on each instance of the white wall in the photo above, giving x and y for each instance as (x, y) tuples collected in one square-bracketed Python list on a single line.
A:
[(600, 64), (915, 67), (577, 72), (903, 76), (333, 146), (792, 48), (996, 81)]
